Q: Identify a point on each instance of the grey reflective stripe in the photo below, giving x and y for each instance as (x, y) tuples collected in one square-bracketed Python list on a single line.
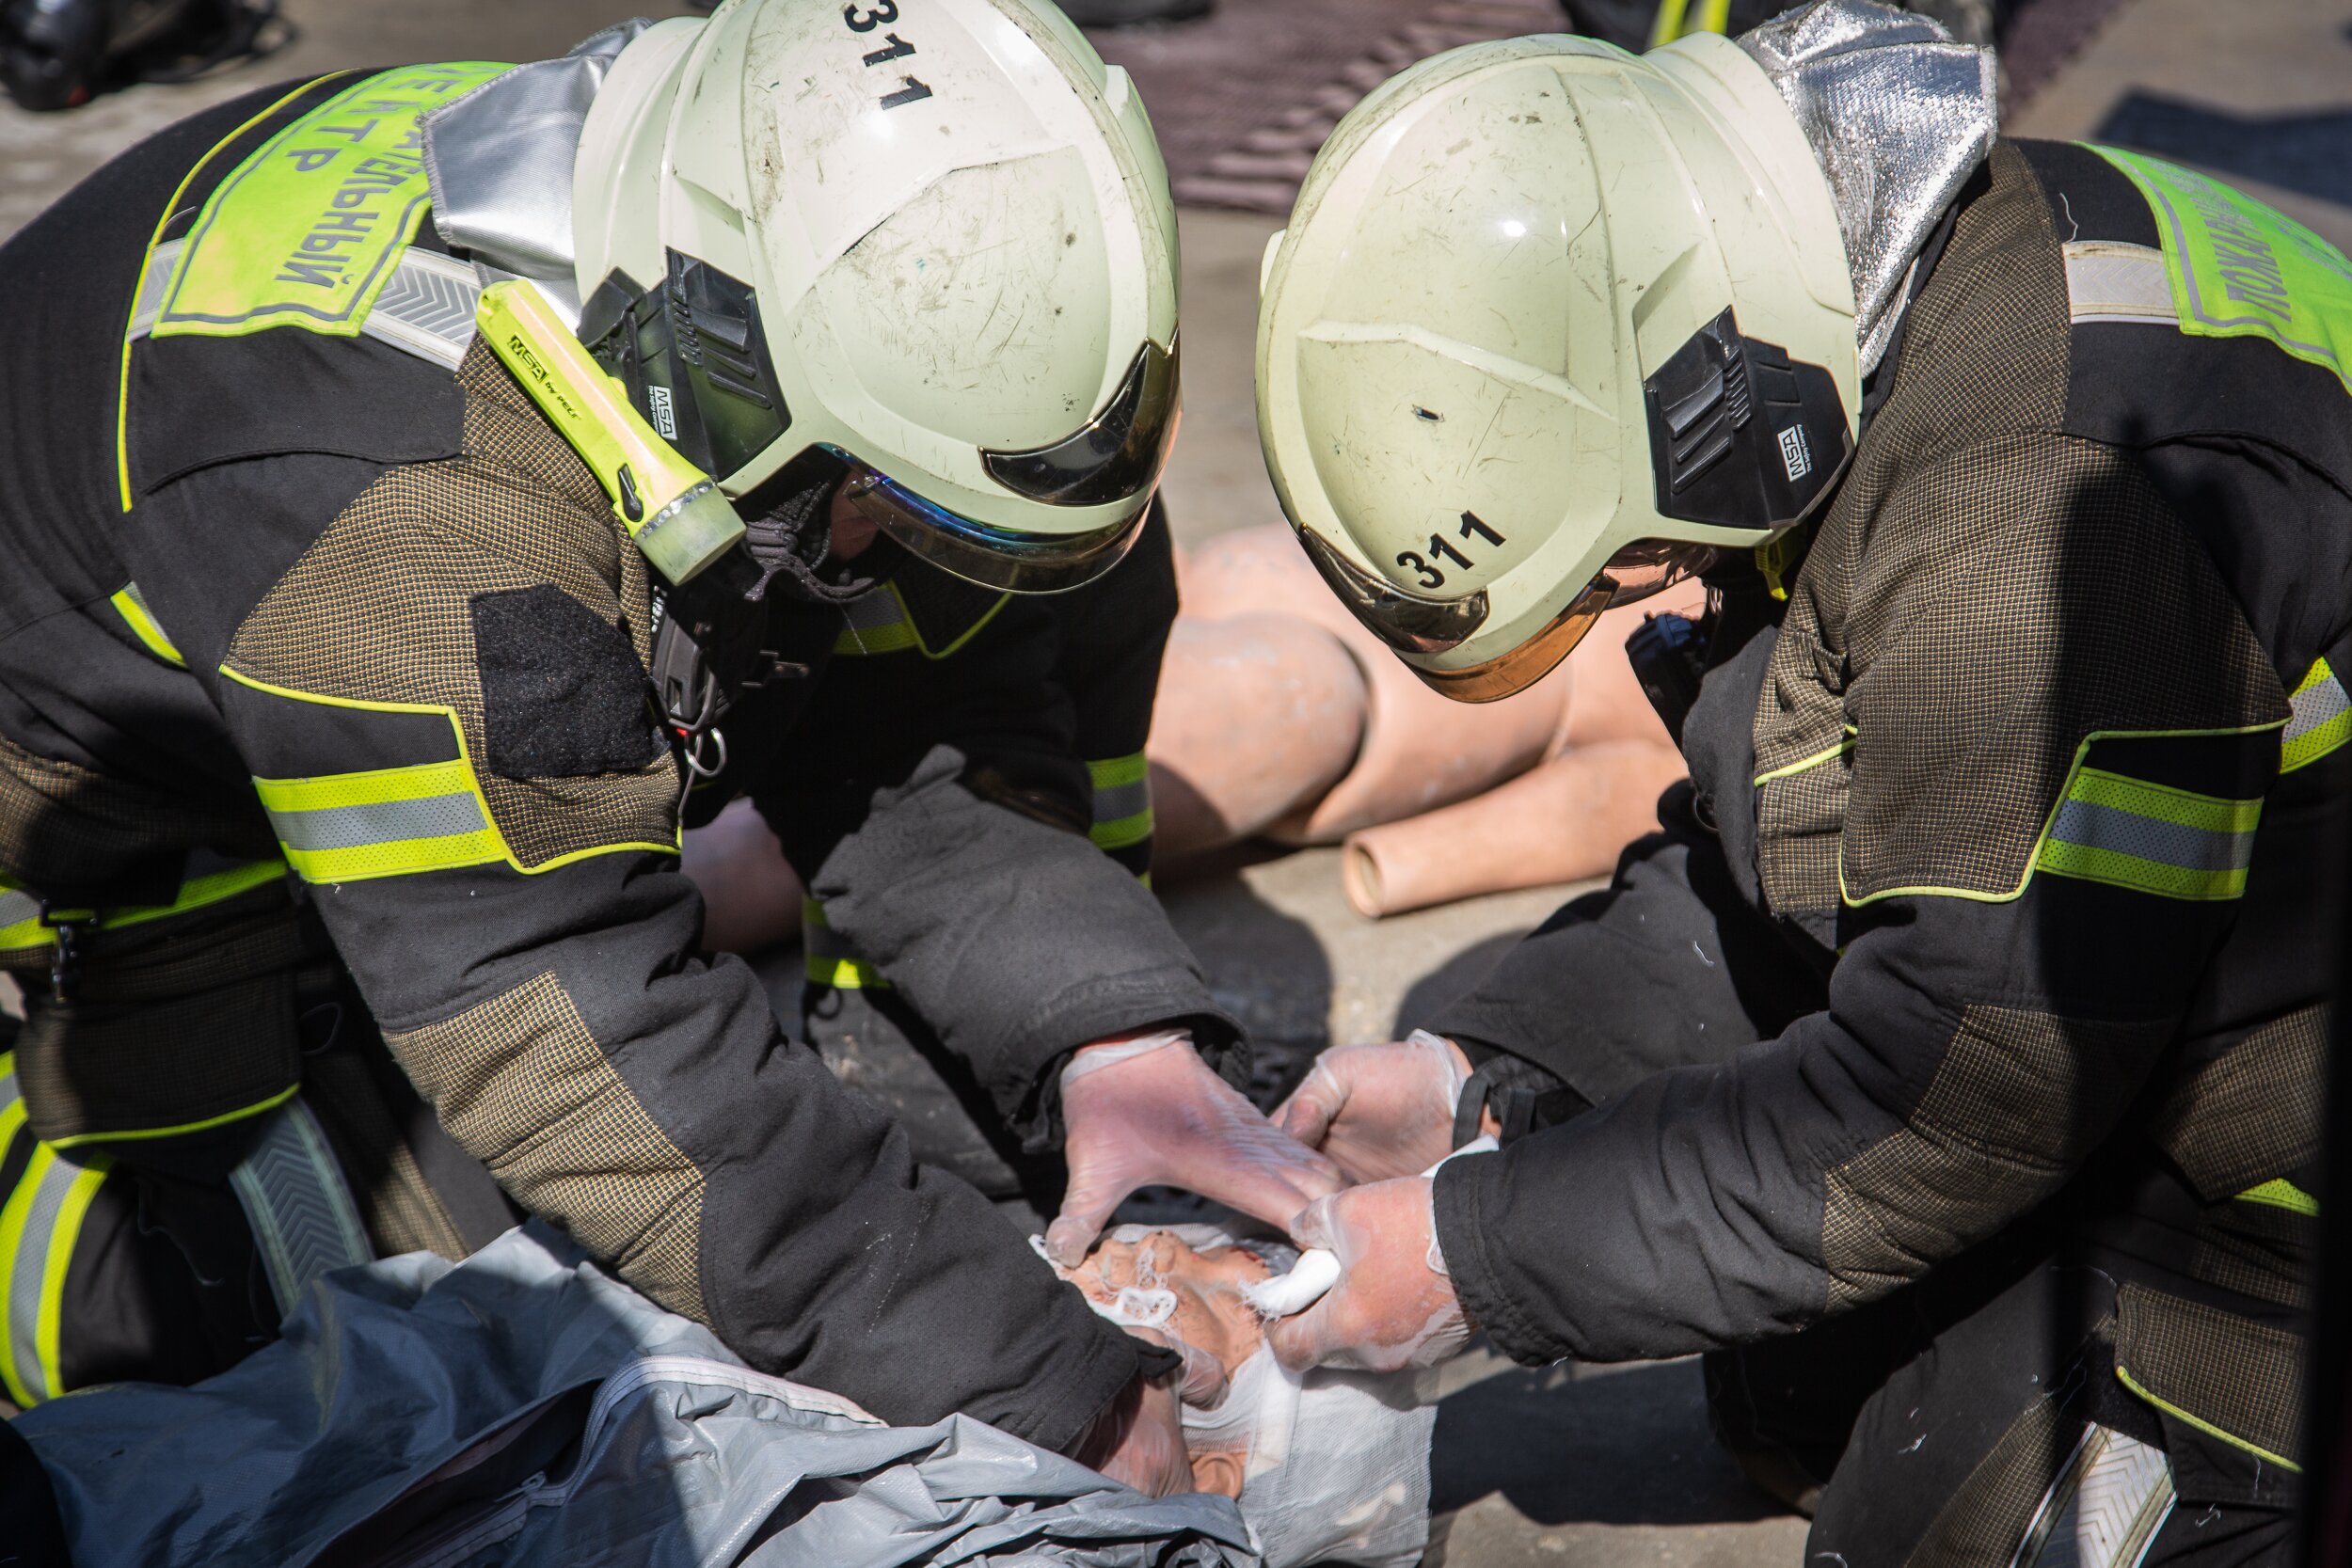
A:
[(53, 1175), (295, 1198), (2127, 833), (2108, 281), (18, 906), (2314, 707), (426, 307), (381, 822), (7, 1091), (2112, 1495), (1116, 802), (150, 296)]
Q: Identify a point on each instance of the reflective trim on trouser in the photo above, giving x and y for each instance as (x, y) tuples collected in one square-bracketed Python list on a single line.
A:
[(2150, 837), (2106, 1506), (131, 606), (1122, 800), (2322, 722), (387, 822), (294, 1196), (826, 959), (38, 1225), (22, 929)]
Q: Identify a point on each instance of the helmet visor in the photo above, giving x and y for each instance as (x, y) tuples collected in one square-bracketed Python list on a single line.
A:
[(1003, 558), (1634, 574)]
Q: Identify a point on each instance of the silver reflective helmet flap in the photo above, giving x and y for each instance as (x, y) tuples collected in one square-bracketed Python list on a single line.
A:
[(500, 161), (1899, 117)]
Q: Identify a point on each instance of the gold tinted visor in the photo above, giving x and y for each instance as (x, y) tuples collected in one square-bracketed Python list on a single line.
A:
[(1634, 573)]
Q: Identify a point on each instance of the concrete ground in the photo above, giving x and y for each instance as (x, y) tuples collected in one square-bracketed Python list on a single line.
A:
[(1567, 1465)]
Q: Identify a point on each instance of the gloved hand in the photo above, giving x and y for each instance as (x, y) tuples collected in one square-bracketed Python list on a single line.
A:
[(1380, 1111), (1394, 1305), (1138, 1439), (1146, 1111)]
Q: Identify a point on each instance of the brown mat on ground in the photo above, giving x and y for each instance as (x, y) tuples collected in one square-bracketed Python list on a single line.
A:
[(1243, 97)]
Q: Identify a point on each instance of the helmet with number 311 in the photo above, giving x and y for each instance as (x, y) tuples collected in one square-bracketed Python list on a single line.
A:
[(922, 248), (1550, 326)]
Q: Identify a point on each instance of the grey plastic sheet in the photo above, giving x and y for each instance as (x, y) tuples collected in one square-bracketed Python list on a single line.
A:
[(525, 1408)]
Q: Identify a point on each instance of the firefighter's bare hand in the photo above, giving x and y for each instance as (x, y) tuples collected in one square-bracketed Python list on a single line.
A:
[(1379, 1111), (1394, 1305), (1146, 1111)]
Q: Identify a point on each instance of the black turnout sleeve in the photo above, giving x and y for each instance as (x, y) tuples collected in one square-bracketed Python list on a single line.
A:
[(436, 702), (943, 802), (2042, 802)]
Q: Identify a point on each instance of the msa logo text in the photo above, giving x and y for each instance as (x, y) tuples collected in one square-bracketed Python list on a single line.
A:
[(665, 415), (1795, 455)]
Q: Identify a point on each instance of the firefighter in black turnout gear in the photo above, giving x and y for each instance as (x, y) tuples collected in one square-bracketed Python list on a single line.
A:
[(355, 665), (1950, 1068)]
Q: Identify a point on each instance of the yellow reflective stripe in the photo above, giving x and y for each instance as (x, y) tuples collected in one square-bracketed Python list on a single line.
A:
[(122, 384), (1120, 831), (1803, 765), (1714, 16), (2150, 838), (385, 822), (2040, 860), (826, 959), (2280, 1193), (1667, 26), (1112, 773), (21, 924), (2124, 1376), (63, 1233), (1122, 800), (13, 1215), (2322, 722), (2210, 813), (878, 623), (396, 821), (78, 1139), (131, 606)]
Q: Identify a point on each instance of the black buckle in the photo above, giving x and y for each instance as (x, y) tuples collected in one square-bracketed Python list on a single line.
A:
[(65, 957)]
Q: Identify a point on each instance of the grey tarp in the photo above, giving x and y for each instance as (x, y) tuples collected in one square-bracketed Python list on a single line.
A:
[(524, 1407)]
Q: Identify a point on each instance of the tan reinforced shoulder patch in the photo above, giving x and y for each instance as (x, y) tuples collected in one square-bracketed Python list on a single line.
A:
[(377, 612), (521, 1083)]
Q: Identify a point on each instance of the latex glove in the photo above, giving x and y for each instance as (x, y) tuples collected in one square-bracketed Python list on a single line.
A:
[(1394, 1305), (1138, 1440), (1380, 1111), (1147, 1111)]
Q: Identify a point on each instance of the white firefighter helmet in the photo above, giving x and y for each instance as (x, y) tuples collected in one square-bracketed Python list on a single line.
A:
[(925, 248), (1550, 325)]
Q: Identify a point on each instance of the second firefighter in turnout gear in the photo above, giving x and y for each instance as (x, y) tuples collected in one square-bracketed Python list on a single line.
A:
[(355, 665), (1950, 1066)]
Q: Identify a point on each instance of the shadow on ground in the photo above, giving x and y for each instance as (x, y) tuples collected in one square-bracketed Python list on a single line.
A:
[(2310, 153), (1590, 1445)]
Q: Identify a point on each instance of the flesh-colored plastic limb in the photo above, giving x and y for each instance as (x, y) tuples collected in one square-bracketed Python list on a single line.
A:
[(1259, 715), (1568, 819), (1138, 1439), (1394, 1305), (1161, 1118), (1419, 750), (1379, 1111), (751, 897)]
